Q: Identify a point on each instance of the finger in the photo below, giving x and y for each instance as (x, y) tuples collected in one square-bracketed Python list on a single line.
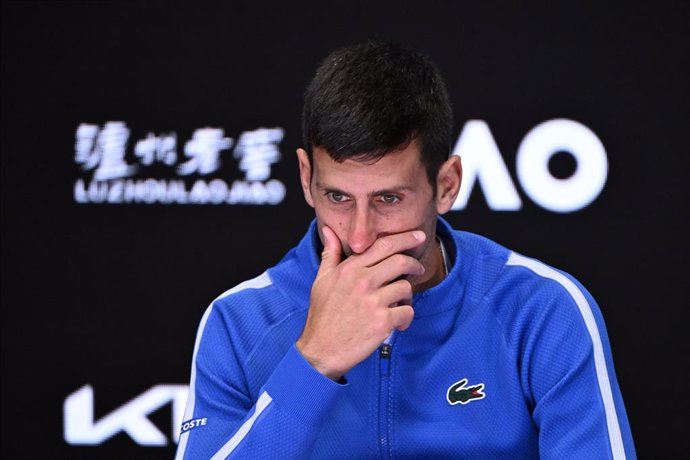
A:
[(332, 251), (394, 267), (397, 293), (401, 317), (388, 245)]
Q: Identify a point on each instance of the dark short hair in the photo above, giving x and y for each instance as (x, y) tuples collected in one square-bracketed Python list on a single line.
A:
[(371, 99)]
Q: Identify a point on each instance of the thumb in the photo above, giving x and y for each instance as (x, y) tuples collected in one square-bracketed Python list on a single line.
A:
[(332, 252)]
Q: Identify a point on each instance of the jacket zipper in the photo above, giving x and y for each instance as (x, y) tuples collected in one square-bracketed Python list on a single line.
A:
[(385, 351)]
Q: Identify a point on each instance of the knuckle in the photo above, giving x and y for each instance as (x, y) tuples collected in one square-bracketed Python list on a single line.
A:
[(346, 269), (376, 300), (399, 260), (407, 286), (402, 264)]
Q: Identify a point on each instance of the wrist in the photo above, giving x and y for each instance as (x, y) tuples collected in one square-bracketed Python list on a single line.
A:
[(317, 362)]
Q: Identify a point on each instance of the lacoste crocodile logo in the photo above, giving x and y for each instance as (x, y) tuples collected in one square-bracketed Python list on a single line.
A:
[(457, 393)]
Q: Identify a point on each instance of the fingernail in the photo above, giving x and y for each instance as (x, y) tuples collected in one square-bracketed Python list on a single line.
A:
[(419, 235)]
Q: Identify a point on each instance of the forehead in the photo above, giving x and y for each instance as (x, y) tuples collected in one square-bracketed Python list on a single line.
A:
[(399, 168)]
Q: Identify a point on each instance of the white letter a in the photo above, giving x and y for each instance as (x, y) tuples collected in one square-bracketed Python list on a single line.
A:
[(482, 160)]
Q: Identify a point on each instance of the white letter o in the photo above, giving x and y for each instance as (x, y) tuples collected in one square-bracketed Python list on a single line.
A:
[(574, 192)]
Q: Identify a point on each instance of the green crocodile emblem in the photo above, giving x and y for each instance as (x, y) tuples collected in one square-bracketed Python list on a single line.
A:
[(458, 393)]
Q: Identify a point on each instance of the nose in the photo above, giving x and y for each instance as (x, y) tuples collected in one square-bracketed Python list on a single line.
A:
[(362, 230)]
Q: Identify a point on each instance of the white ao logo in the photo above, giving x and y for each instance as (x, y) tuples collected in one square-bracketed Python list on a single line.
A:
[(482, 162)]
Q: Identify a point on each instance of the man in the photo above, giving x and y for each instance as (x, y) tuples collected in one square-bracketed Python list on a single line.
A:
[(385, 333)]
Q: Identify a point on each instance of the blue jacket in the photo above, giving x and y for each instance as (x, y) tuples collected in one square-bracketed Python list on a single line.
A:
[(506, 358)]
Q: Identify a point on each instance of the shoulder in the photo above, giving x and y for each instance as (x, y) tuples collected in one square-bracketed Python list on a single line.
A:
[(510, 278), (271, 303), (523, 294), (277, 291), (248, 293), (242, 311), (254, 306), (541, 308), (246, 288), (555, 282), (533, 282)]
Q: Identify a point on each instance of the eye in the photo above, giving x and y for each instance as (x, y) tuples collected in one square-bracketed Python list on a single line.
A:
[(336, 197), (389, 198)]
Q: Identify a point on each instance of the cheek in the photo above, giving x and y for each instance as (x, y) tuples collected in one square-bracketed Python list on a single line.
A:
[(414, 218), (335, 223), (339, 226), (326, 217)]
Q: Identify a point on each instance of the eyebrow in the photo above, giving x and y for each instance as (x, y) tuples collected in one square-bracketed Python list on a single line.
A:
[(390, 190)]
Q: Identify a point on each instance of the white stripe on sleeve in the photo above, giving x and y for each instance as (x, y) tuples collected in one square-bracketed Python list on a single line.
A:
[(259, 282), (599, 360), (261, 404)]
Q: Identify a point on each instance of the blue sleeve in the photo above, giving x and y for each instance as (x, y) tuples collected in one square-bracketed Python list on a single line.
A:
[(568, 371), (224, 421)]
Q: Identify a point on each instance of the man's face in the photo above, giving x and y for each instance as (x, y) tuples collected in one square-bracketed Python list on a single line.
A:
[(363, 201)]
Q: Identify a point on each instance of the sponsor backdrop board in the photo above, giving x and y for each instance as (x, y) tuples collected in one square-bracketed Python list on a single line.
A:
[(148, 165)]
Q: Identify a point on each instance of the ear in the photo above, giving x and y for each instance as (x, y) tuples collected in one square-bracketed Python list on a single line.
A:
[(305, 175), (448, 184)]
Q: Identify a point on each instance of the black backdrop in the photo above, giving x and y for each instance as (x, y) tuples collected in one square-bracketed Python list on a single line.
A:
[(110, 295)]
